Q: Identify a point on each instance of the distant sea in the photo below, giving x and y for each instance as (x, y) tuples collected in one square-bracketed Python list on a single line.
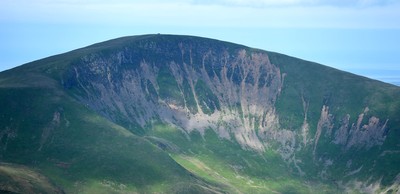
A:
[(385, 75)]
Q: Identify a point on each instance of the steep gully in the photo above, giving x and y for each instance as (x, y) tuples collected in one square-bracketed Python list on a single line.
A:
[(244, 87)]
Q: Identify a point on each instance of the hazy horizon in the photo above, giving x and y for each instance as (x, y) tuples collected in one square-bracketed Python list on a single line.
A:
[(359, 36)]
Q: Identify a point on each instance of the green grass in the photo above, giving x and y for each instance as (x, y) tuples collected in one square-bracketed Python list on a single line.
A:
[(207, 100), (21, 179), (169, 89), (84, 152), (224, 163)]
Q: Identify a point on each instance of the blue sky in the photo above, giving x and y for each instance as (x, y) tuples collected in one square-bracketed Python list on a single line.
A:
[(360, 36)]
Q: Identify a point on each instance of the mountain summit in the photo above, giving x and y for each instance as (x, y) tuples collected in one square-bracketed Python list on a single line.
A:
[(183, 114)]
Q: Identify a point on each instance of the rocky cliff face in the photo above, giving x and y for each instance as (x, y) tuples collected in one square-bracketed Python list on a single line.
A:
[(231, 93), (219, 110), (201, 84)]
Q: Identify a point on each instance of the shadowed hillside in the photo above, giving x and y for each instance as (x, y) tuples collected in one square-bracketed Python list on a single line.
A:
[(182, 114)]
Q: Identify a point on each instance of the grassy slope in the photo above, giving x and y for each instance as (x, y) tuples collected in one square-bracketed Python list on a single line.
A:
[(226, 164), (73, 157), (83, 152), (344, 93), (21, 179)]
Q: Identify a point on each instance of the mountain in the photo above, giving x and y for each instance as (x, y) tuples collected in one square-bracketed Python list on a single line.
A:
[(182, 114)]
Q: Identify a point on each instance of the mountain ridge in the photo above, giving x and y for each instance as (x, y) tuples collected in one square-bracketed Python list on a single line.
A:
[(178, 92)]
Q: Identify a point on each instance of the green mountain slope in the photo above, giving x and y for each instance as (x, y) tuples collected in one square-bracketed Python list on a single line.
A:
[(81, 152), (181, 114), (20, 179)]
